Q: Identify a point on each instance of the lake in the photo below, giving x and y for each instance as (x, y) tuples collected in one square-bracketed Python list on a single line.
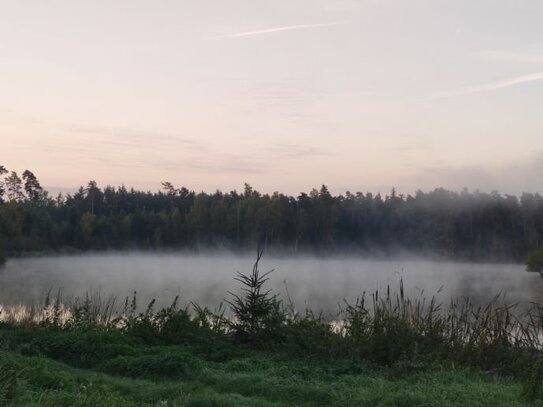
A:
[(315, 283)]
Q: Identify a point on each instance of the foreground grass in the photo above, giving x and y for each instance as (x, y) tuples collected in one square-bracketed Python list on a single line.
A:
[(40, 367)]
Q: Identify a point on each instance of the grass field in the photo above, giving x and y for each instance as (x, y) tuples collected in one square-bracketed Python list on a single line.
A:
[(47, 368)]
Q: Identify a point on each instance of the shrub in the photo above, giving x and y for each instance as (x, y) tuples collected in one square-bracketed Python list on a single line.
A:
[(258, 315), (534, 263), (82, 348), (168, 365)]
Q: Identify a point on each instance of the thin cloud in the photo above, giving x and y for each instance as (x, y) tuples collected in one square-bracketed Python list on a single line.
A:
[(296, 151), (516, 57), (534, 77), (410, 147), (284, 28), (226, 163), (131, 137)]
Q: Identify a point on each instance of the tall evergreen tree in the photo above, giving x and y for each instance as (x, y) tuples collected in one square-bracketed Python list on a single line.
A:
[(3, 171), (33, 189), (14, 187)]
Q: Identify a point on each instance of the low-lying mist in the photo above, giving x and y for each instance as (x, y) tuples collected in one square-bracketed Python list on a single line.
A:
[(309, 282)]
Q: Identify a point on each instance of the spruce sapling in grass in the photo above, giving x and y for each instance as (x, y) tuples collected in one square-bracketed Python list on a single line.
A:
[(258, 316)]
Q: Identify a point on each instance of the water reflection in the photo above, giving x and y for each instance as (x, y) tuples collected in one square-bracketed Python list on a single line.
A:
[(319, 284)]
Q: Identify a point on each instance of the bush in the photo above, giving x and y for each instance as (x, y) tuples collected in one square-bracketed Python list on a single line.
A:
[(2, 254), (167, 365), (312, 336), (173, 325), (82, 348), (534, 263)]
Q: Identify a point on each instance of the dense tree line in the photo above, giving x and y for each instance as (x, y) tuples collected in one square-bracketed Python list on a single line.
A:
[(470, 225)]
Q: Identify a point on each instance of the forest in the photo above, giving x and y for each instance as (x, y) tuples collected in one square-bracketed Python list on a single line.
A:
[(461, 225)]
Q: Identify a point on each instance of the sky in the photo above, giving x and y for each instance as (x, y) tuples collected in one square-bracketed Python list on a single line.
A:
[(360, 95)]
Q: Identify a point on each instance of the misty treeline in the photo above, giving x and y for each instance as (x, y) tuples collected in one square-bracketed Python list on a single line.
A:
[(465, 225)]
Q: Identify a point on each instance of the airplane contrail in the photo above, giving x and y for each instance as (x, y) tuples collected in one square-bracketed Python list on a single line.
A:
[(537, 76), (284, 28)]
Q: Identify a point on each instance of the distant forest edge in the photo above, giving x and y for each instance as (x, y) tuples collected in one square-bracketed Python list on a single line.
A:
[(460, 225)]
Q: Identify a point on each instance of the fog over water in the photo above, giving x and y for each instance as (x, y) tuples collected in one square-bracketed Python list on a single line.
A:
[(316, 283)]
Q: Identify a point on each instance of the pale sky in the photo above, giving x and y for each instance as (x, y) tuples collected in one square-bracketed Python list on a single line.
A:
[(361, 95)]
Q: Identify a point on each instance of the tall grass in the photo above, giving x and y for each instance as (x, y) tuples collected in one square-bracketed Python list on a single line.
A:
[(8, 383), (495, 336)]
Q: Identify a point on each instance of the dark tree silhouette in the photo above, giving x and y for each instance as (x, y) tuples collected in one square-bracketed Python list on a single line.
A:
[(465, 225), (32, 186)]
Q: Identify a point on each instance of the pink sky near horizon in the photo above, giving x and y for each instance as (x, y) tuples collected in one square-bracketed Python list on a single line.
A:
[(358, 95)]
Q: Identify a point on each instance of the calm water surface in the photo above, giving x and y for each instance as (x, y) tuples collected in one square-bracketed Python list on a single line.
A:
[(319, 284)]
